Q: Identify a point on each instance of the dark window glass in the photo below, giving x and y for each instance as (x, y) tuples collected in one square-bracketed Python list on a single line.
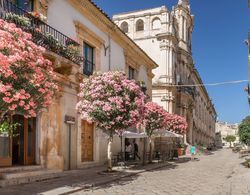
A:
[(27, 5), (131, 73), (124, 27), (139, 25), (89, 59)]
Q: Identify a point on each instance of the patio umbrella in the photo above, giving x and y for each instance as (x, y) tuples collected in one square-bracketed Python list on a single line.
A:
[(166, 133), (129, 134)]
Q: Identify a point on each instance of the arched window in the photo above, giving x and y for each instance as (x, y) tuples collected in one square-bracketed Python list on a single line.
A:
[(156, 23), (124, 27), (139, 25)]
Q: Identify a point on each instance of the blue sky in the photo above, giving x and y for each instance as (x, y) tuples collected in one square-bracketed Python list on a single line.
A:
[(219, 51)]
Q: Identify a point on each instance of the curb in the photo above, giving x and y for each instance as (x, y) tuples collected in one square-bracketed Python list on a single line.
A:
[(114, 179)]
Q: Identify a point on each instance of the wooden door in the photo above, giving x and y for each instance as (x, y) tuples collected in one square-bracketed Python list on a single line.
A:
[(30, 141), (24, 141), (87, 141)]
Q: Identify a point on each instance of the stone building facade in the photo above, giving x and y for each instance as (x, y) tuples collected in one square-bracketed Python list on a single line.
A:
[(166, 36), (55, 143), (224, 129)]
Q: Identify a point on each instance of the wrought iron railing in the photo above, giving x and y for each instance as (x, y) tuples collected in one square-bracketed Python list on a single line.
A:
[(42, 34), (188, 90), (88, 67)]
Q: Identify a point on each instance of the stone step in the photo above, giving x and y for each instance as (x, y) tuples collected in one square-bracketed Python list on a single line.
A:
[(15, 178), (20, 169)]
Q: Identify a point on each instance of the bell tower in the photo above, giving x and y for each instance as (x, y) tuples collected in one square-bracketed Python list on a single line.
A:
[(183, 2), (185, 24)]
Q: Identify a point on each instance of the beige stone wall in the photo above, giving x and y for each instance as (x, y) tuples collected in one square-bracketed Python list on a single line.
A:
[(226, 129), (81, 22)]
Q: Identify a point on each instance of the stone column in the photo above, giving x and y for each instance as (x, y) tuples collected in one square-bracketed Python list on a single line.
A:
[(181, 27), (50, 136), (185, 30), (147, 26), (164, 65), (131, 27)]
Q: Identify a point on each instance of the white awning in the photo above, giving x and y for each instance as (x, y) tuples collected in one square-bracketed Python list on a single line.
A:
[(165, 133), (129, 134)]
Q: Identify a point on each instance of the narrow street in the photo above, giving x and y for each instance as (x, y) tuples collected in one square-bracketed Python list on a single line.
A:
[(218, 173)]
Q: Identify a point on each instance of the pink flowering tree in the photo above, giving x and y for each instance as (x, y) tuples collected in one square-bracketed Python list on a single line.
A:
[(153, 120), (26, 78), (176, 123), (112, 101)]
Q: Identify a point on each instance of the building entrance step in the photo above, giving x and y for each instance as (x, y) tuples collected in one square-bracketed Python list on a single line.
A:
[(20, 168), (15, 177)]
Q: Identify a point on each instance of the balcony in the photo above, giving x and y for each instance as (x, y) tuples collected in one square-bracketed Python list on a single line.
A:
[(42, 34), (187, 90)]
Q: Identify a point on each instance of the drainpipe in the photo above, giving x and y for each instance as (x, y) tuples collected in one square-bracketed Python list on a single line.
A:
[(70, 120), (69, 153), (109, 47)]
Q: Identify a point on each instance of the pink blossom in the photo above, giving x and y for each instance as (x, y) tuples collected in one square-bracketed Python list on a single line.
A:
[(111, 100), (37, 76)]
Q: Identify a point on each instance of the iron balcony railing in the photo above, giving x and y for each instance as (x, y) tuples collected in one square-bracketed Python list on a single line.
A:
[(88, 67), (42, 34), (188, 90)]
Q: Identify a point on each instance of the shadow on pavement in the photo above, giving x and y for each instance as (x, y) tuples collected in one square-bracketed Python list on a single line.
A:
[(129, 179)]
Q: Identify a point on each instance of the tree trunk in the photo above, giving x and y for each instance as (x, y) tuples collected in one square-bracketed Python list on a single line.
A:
[(150, 149), (2, 115), (109, 152)]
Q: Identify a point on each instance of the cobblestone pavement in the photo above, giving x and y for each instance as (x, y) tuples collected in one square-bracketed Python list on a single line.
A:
[(220, 173)]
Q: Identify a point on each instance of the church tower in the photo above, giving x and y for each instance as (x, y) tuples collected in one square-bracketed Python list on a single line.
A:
[(183, 2), (185, 24)]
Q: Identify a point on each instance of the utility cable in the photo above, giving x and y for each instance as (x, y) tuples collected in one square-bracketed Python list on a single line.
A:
[(209, 84)]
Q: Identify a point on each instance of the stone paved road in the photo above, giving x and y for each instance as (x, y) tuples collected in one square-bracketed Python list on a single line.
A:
[(218, 174)]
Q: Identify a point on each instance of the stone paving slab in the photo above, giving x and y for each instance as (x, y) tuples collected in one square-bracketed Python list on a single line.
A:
[(220, 173), (76, 180)]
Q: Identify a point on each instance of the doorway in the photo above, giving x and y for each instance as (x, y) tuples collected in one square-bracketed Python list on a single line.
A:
[(87, 140), (24, 141)]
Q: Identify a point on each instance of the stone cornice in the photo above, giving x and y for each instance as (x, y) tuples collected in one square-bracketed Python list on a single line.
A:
[(94, 15), (168, 35), (83, 31)]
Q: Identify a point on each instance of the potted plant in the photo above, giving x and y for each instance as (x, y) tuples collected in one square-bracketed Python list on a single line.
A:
[(180, 148), (247, 162), (73, 42), (18, 20), (38, 16)]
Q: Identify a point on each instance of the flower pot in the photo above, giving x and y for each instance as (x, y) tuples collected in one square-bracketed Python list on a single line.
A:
[(180, 151)]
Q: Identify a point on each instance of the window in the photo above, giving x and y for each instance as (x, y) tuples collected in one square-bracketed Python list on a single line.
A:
[(124, 27), (131, 73), (88, 66), (139, 25), (156, 24), (27, 5)]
